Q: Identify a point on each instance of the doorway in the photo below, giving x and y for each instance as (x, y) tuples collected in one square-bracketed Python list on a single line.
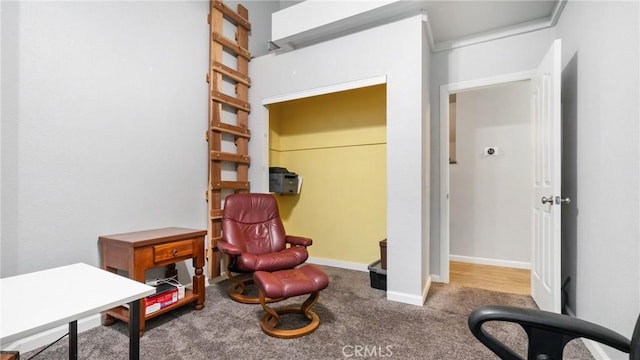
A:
[(486, 177)]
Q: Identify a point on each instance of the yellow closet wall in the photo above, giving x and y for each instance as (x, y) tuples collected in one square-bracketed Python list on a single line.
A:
[(337, 143)]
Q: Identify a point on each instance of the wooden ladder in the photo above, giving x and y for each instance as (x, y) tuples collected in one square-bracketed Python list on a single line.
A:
[(221, 105)]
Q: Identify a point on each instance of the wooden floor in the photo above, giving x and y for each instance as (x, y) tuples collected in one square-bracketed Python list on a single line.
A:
[(509, 280)]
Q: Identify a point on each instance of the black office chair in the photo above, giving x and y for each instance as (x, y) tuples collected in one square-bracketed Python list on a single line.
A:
[(547, 332)]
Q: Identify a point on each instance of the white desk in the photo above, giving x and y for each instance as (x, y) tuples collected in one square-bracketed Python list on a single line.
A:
[(42, 300)]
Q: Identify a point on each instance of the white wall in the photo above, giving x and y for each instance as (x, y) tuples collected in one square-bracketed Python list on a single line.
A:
[(354, 57), (601, 245), (491, 195), (103, 120), (601, 92), (260, 19), (504, 56)]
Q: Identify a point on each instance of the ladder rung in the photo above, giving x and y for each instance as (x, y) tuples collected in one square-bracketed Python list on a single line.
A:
[(215, 214), (230, 185), (234, 17), (235, 75), (231, 129), (231, 45), (224, 156), (230, 100), (215, 240)]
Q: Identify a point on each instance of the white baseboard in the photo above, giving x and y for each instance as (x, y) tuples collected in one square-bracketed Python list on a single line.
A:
[(339, 264), (405, 298), (594, 348), (597, 350), (47, 337), (493, 262), (410, 299)]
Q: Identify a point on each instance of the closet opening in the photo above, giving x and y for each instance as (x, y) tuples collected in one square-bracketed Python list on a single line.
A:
[(336, 143)]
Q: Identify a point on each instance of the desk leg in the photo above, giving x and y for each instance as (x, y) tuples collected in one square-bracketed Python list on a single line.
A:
[(134, 330), (73, 340), (138, 274)]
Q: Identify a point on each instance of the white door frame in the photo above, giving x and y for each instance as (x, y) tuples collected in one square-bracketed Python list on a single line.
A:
[(445, 91)]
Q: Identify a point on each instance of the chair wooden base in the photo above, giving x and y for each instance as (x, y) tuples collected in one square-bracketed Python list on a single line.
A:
[(271, 318), (237, 288)]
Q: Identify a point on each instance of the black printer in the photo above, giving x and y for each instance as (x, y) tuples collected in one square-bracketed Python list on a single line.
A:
[(282, 181)]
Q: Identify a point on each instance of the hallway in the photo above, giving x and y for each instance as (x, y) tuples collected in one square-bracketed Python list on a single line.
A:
[(496, 278)]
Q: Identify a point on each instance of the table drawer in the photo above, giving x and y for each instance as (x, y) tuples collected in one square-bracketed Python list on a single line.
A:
[(173, 250)]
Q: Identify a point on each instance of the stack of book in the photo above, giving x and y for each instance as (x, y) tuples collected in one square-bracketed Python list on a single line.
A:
[(166, 294)]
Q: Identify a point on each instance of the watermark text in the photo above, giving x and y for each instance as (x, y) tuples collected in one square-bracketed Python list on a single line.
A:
[(367, 351)]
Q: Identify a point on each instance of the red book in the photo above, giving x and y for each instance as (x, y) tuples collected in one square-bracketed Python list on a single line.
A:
[(160, 301)]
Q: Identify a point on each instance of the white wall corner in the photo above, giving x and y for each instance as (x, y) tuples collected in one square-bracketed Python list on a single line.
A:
[(425, 290), (405, 298), (428, 32), (557, 11)]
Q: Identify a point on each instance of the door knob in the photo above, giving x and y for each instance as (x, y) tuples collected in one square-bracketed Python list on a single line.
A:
[(547, 200), (557, 200)]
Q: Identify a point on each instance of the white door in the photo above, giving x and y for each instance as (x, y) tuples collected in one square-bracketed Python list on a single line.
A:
[(547, 141)]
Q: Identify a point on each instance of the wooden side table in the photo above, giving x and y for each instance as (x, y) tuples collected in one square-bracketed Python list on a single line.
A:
[(137, 252)]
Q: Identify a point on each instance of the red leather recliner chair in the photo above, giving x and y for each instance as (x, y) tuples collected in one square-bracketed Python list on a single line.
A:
[(254, 239)]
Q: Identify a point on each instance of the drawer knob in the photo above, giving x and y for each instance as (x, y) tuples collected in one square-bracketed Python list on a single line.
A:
[(175, 252)]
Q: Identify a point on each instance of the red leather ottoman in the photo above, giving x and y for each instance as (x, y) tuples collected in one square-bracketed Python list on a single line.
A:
[(307, 279)]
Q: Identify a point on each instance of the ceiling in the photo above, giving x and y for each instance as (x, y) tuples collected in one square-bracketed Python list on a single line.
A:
[(451, 23), (455, 23)]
